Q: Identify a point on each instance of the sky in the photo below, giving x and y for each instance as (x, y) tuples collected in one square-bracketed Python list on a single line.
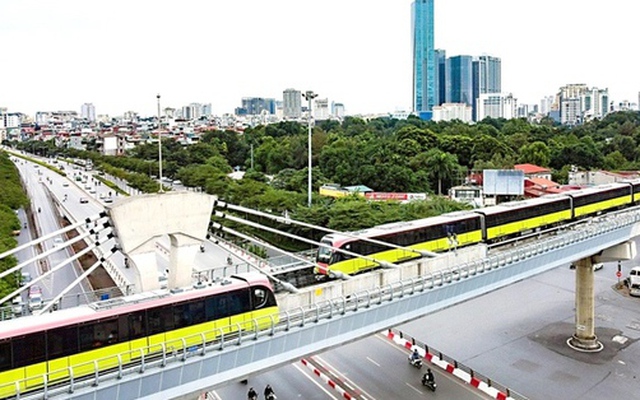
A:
[(118, 55)]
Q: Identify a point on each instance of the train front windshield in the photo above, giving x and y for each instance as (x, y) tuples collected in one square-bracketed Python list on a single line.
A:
[(324, 253)]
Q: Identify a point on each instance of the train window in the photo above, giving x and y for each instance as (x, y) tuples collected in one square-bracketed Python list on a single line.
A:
[(98, 334), (196, 310), (262, 297), (227, 304), (136, 325), (5, 355), (29, 349), (62, 342), (160, 319)]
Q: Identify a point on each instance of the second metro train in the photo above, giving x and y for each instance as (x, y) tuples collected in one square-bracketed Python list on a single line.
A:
[(463, 228)]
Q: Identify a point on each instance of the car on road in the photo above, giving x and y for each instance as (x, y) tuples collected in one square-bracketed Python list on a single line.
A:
[(35, 298), (633, 281), (65, 184), (108, 200), (83, 200), (57, 242), (25, 278), (16, 306)]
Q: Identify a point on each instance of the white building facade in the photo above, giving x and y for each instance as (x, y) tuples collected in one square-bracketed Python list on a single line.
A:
[(497, 105), (453, 111)]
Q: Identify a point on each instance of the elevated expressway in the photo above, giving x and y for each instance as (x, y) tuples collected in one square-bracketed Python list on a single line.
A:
[(331, 314)]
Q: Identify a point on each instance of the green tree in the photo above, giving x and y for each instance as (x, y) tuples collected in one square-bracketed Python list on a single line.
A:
[(535, 153), (441, 166)]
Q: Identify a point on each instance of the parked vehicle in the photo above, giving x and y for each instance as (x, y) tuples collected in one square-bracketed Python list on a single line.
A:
[(633, 281)]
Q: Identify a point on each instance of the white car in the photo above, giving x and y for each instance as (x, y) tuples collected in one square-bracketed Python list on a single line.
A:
[(16, 306), (57, 242), (633, 281)]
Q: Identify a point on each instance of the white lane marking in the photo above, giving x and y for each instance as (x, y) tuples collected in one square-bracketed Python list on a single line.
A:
[(413, 387), (313, 378), (347, 382), (373, 362)]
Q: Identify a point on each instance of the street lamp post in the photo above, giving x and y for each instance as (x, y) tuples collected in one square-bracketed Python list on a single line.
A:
[(159, 146), (309, 95)]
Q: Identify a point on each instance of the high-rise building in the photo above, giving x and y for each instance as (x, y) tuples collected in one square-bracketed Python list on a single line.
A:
[(441, 76), (487, 78), (459, 78), (579, 103), (424, 63), (337, 109), (88, 112), (292, 103), (255, 106)]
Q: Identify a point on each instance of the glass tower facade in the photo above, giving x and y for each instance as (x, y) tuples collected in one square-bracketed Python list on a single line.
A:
[(487, 78), (459, 80), (424, 64)]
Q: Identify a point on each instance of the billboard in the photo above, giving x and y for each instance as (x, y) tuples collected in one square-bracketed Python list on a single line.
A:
[(503, 182)]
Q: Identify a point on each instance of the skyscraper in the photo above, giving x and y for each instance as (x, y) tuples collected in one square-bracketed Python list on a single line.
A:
[(424, 63), (459, 80), (487, 78)]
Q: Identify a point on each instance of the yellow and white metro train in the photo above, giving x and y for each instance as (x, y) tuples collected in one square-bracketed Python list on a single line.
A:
[(53, 344), (465, 228)]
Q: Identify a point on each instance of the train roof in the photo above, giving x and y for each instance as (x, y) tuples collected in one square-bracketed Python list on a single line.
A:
[(401, 226), (515, 205), (597, 189), (106, 309)]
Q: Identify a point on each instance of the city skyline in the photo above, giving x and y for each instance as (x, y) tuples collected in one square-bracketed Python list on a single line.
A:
[(118, 56)]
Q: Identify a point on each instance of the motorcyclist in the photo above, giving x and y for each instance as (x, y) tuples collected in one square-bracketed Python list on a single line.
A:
[(202, 247), (252, 395), (415, 356), (269, 393), (428, 377)]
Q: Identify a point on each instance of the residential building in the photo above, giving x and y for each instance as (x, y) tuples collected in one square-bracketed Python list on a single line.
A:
[(321, 109), (452, 111), (88, 112), (292, 104), (337, 110), (424, 65), (579, 103), (497, 105)]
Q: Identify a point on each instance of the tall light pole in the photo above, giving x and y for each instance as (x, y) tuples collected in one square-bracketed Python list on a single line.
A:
[(309, 95), (159, 146)]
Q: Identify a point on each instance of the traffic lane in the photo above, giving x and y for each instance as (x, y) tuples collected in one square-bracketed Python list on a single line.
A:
[(380, 369), (293, 381), (494, 335)]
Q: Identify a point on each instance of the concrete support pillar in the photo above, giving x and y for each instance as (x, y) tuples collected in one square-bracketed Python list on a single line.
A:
[(181, 256), (584, 338), (146, 267)]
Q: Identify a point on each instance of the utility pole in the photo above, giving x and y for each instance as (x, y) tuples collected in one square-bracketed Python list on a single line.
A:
[(309, 95)]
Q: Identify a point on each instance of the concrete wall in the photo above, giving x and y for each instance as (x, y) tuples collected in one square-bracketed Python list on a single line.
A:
[(380, 277)]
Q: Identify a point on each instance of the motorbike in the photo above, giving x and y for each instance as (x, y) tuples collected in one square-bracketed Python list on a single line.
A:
[(270, 396), (201, 248), (431, 385), (415, 363)]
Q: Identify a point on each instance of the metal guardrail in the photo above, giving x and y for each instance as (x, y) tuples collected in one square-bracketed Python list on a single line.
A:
[(178, 350), (456, 364)]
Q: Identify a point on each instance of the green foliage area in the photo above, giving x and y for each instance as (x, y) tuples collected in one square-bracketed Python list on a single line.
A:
[(384, 154), (12, 197)]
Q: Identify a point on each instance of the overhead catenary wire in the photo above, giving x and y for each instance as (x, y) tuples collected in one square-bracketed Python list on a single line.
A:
[(382, 263), (283, 220)]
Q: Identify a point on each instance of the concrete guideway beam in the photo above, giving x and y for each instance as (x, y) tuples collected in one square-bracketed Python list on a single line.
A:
[(584, 338), (138, 222)]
